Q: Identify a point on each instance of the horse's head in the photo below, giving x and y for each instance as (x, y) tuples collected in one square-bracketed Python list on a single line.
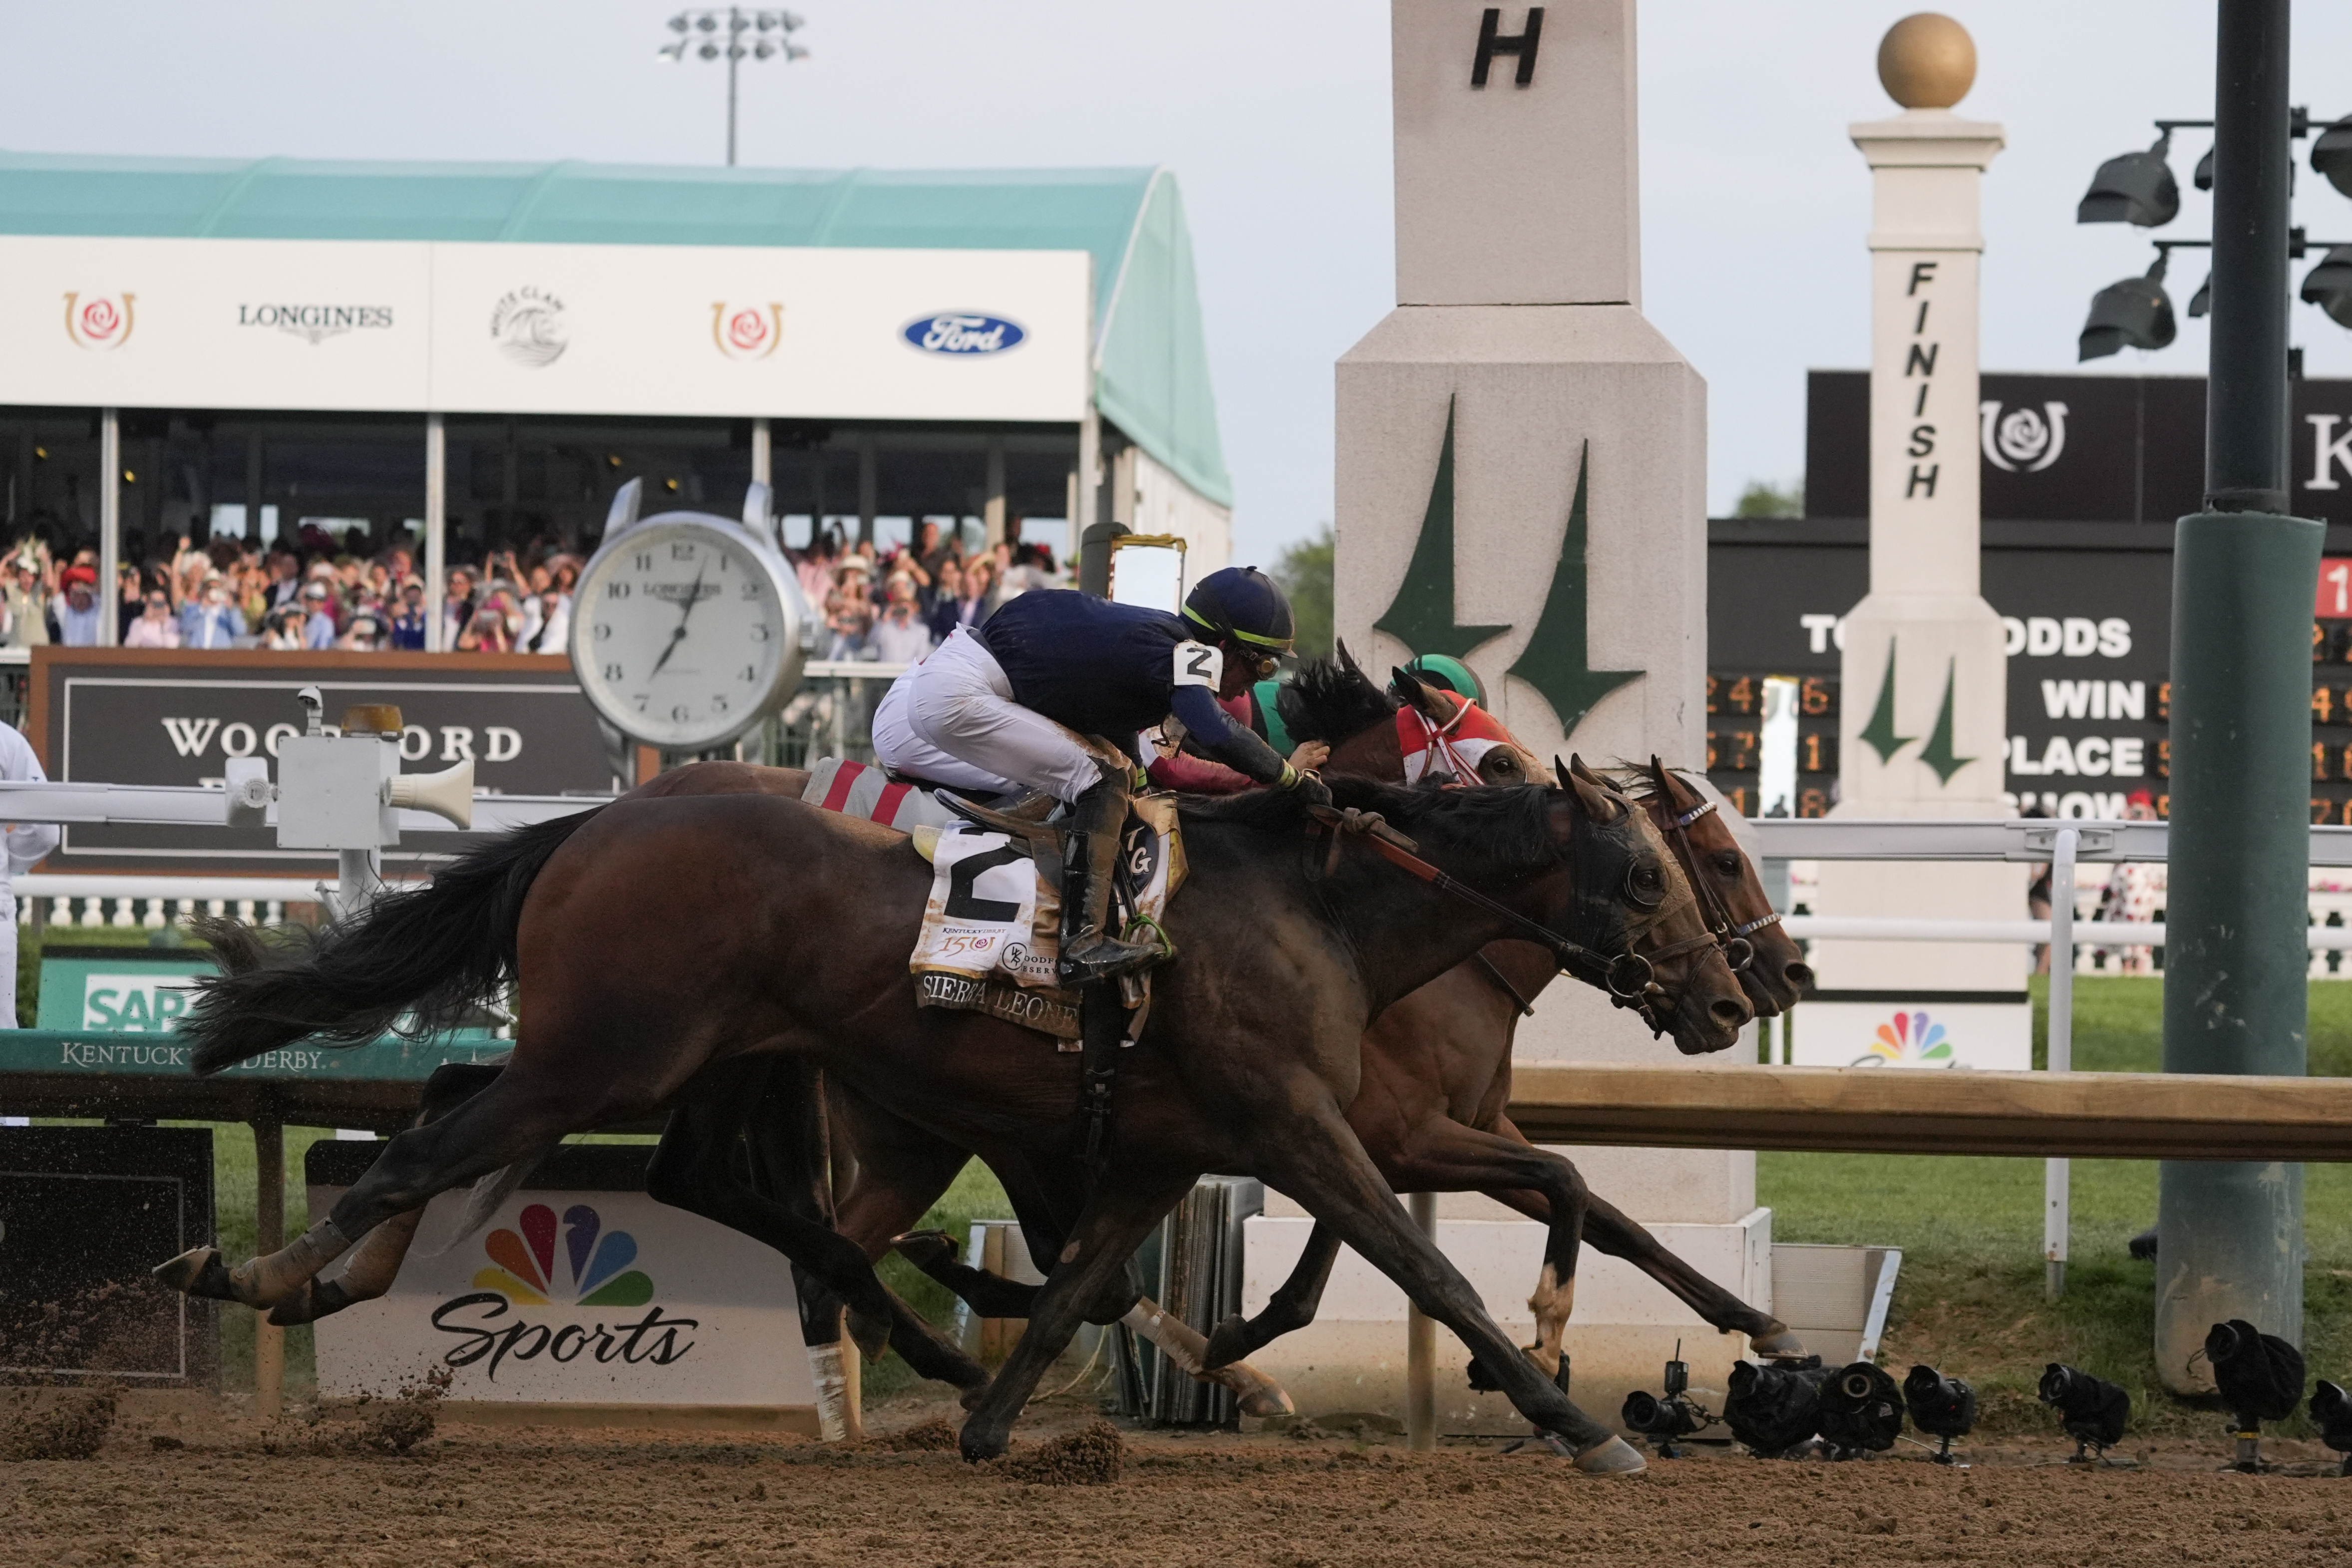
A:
[(1442, 731), (1667, 964), (1415, 730), (1770, 967)]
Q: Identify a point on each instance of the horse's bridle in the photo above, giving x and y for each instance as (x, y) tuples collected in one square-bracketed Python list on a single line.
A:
[(1628, 977), (1737, 951)]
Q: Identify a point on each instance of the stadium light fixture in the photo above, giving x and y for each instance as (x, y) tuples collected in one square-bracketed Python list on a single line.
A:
[(734, 35), (2136, 188), (2132, 312), (2331, 155), (2329, 284)]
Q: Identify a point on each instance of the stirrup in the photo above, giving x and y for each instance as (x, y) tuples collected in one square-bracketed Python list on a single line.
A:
[(1103, 958)]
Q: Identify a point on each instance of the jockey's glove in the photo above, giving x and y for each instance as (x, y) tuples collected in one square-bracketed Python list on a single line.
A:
[(1308, 786)]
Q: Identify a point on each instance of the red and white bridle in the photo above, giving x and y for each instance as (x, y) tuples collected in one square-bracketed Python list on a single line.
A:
[(1455, 747)]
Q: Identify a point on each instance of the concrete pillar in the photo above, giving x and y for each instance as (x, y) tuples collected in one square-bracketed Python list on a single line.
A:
[(1923, 715), (1521, 482), (110, 526), (992, 502), (437, 532), (869, 487), (764, 465)]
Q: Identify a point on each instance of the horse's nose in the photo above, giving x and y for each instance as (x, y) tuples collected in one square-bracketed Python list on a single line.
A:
[(1800, 976), (1730, 1015)]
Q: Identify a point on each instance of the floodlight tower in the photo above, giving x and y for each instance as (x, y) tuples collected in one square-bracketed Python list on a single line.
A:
[(719, 34)]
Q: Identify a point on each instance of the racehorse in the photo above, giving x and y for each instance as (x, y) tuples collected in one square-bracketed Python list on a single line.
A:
[(1436, 1076), (644, 983)]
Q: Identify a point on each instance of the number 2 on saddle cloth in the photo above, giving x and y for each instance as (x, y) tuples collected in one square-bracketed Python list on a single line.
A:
[(992, 924)]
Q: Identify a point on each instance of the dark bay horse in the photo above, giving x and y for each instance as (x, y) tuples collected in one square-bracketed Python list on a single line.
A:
[(1436, 1077), (790, 940)]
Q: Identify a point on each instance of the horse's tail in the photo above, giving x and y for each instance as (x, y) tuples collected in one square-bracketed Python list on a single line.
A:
[(427, 955)]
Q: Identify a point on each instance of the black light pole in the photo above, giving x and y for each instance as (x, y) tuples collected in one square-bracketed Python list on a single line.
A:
[(2245, 574)]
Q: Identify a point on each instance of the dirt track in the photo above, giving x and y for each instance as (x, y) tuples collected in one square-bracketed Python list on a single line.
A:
[(497, 1498)]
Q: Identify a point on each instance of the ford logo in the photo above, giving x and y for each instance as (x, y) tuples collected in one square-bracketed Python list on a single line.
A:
[(962, 332)]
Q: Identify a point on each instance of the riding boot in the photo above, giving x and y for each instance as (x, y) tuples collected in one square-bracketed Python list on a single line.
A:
[(1090, 859)]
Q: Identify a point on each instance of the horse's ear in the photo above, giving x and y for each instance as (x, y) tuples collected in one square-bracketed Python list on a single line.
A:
[(1599, 803), (1420, 694), (1347, 660), (1664, 781)]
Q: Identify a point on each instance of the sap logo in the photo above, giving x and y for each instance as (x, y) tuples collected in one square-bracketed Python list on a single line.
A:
[(963, 332), (140, 1003)]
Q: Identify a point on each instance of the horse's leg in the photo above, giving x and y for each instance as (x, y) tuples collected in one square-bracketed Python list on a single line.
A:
[(520, 1117), (1444, 1156), (1319, 1162), (1608, 1228), (693, 1169), (377, 1263), (1292, 1306), (1093, 1265)]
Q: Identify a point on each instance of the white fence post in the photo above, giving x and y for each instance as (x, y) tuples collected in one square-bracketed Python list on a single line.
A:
[(2056, 1173)]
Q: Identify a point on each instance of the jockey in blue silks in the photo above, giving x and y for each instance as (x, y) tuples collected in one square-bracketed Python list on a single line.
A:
[(995, 706)]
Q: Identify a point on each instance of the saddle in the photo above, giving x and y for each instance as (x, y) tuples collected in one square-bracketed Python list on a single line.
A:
[(991, 927)]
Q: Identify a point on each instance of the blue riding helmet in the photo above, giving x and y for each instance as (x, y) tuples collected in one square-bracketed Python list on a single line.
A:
[(1242, 604)]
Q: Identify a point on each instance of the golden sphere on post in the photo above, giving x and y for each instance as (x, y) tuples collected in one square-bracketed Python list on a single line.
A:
[(1927, 61)]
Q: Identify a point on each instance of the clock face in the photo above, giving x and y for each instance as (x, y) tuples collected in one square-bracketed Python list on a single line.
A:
[(680, 634)]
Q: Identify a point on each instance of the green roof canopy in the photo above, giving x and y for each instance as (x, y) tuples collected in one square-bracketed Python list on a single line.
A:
[(1150, 355)]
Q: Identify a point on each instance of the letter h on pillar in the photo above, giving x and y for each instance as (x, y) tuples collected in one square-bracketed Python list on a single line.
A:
[(1492, 42)]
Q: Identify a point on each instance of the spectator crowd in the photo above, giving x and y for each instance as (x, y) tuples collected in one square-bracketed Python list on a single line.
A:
[(314, 592)]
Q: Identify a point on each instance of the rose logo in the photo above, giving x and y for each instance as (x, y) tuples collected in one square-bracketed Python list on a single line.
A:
[(102, 322), (2023, 440), (747, 332)]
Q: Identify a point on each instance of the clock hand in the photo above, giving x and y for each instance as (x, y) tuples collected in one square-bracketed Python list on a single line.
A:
[(693, 598)]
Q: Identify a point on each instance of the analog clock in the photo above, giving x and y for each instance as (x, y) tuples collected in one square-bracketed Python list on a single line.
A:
[(686, 628)]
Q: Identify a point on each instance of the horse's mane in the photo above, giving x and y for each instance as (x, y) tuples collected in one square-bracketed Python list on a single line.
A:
[(1331, 699), (1509, 825)]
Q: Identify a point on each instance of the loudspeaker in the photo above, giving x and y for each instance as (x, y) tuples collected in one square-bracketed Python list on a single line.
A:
[(448, 793)]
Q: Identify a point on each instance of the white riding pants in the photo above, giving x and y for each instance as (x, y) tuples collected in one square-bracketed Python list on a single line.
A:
[(951, 718)]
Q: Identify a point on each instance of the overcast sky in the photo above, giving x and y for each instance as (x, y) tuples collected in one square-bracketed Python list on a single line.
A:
[(1274, 114)]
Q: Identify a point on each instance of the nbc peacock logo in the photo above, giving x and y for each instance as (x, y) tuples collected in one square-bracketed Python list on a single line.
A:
[(575, 1266), (524, 1261), (1908, 1040)]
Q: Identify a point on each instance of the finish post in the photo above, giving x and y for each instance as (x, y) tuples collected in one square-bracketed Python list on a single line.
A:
[(2231, 1235)]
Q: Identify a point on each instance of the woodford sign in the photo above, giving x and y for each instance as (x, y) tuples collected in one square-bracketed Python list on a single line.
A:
[(141, 715)]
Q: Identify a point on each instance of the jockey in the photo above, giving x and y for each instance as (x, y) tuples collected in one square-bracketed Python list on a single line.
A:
[(995, 708)]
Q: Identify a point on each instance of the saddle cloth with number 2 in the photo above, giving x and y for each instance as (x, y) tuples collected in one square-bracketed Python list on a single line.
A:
[(992, 927)]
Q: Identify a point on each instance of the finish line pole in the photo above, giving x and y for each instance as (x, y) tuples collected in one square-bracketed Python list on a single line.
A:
[(2243, 578)]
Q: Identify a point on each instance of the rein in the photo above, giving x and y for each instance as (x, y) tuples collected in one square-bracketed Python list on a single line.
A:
[(1627, 976)]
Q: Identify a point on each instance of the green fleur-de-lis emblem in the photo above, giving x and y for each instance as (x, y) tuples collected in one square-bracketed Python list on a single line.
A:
[(1554, 661)]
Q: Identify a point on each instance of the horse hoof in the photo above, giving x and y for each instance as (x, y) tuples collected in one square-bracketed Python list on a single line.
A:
[(978, 1445), (312, 1301), (1612, 1456), (1267, 1399), (872, 1335), (926, 1250), (1228, 1343), (198, 1272), (1780, 1346)]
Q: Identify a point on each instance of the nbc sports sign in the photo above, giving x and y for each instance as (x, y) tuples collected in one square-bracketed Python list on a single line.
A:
[(581, 1291), (1988, 1031)]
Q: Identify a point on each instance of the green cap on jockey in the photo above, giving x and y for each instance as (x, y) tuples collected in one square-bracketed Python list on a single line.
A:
[(1278, 733), (1244, 604), (1445, 670)]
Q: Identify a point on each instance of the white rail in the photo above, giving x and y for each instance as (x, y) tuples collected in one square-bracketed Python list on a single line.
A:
[(2027, 839)]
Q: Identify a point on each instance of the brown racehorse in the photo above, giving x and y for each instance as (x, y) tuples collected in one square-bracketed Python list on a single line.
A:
[(1436, 1076), (790, 940)]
